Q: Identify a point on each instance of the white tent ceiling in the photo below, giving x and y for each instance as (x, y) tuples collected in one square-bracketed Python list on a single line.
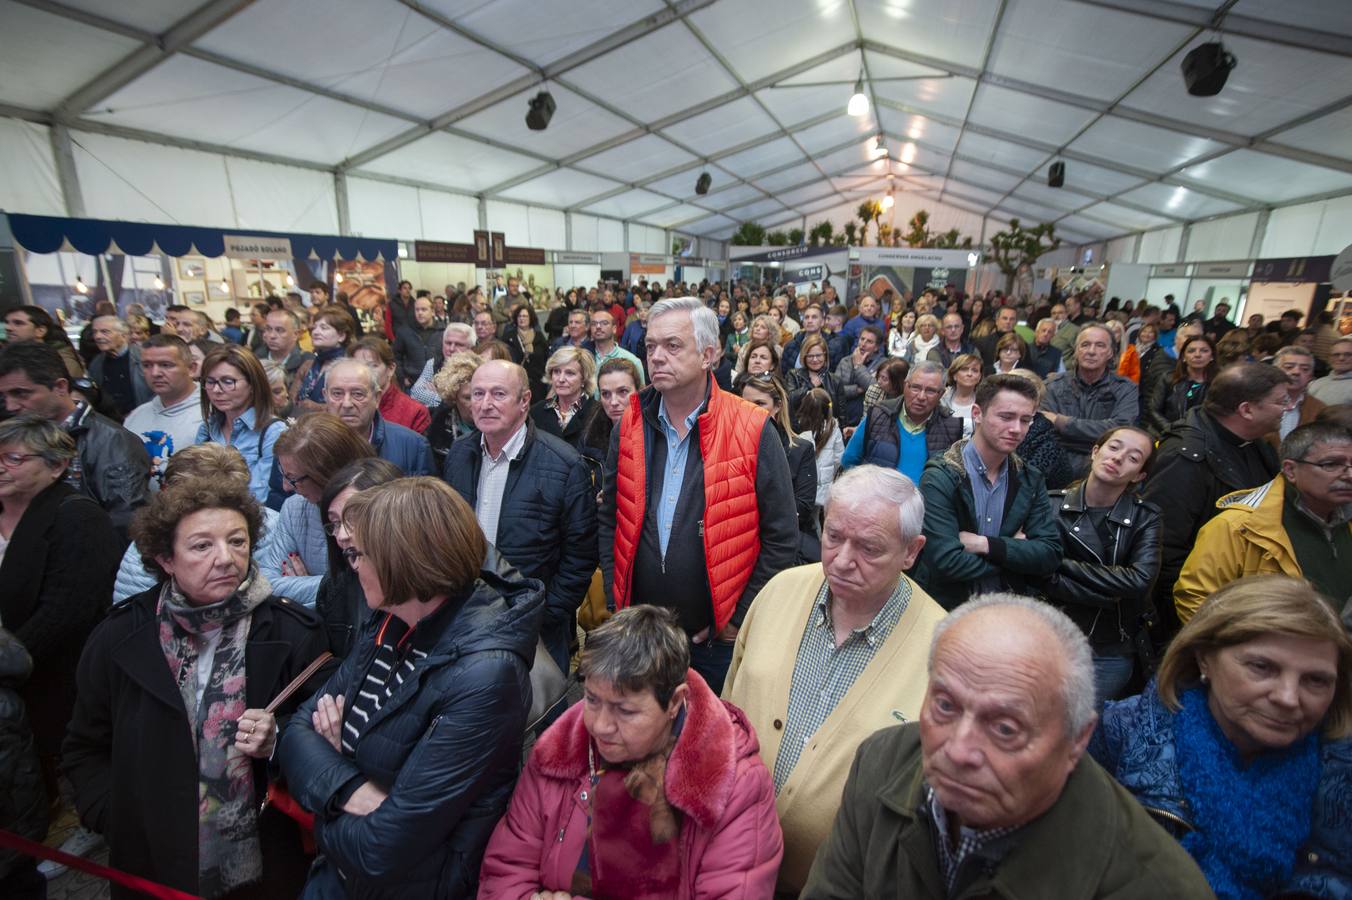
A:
[(974, 99)]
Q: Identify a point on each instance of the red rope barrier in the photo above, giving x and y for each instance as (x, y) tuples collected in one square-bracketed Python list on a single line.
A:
[(134, 882)]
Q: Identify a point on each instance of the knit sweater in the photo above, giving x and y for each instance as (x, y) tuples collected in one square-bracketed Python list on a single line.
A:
[(889, 690)]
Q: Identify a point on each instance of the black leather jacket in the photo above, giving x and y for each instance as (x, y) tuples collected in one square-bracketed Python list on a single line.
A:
[(1105, 588), (114, 468)]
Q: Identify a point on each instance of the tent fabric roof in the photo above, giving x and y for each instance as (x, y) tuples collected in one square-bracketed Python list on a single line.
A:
[(973, 98)]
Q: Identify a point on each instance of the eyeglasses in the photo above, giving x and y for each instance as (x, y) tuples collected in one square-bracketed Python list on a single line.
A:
[(926, 391), (14, 460), (225, 384), (295, 480), (1327, 466), (331, 529)]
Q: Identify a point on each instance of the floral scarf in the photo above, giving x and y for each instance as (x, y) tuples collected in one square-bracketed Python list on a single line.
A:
[(1251, 819), (227, 834)]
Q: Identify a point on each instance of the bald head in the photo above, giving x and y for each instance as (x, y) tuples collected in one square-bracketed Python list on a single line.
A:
[(1008, 711), (499, 401)]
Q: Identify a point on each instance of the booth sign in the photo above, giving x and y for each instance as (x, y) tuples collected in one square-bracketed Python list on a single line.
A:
[(244, 246)]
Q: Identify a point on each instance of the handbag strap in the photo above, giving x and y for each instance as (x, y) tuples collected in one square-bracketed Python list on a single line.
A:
[(299, 680)]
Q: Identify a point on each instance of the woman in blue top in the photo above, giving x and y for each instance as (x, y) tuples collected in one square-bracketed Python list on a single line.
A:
[(1240, 746), (237, 411)]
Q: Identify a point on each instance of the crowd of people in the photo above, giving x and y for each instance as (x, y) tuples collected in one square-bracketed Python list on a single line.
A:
[(677, 590)]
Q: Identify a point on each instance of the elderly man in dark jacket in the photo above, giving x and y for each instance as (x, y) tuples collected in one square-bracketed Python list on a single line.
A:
[(1083, 405), (533, 494), (991, 794)]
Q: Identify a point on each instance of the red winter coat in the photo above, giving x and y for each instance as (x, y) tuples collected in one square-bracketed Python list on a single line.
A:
[(731, 844)]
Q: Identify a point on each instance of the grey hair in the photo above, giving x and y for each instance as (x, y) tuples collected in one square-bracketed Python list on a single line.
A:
[(929, 367), (460, 328), (639, 648), (1292, 350), (370, 373), (276, 374), (861, 484), (1297, 444), (38, 435), (118, 324), (703, 320), (1077, 689)]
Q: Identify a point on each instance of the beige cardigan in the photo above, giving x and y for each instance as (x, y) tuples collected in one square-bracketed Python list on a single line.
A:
[(889, 691)]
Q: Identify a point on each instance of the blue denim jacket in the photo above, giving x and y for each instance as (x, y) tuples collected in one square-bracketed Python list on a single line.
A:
[(255, 447), (1135, 743)]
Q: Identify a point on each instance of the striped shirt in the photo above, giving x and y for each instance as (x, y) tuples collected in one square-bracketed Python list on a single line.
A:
[(493, 481), (393, 661), (823, 673)]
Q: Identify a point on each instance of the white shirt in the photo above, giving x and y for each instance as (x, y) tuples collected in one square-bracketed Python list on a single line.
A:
[(493, 481)]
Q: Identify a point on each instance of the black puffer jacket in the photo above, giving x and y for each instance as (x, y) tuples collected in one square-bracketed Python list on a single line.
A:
[(114, 468), (446, 746), (547, 526), (1106, 588), (23, 800)]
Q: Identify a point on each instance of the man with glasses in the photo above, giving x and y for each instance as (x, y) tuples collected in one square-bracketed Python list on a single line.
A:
[(352, 393), (1336, 387), (1298, 524), (951, 342), (1214, 450), (904, 433)]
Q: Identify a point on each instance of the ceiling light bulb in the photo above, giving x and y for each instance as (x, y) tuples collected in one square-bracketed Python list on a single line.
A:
[(908, 153), (858, 105), (338, 278), (159, 283), (223, 286), (888, 200), (290, 282), (80, 286)]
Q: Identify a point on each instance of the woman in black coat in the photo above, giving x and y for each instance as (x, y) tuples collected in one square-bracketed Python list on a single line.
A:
[(1111, 540), (340, 602), (528, 345), (56, 577), (571, 411), (1172, 398), (168, 747), (767, 392), (409, 753), (815, 372)]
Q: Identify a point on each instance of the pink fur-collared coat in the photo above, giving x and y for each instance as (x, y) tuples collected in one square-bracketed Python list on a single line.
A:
[(730, 841)]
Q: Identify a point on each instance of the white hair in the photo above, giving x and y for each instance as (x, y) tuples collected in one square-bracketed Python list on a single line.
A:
[(863, 484), (118, 324), (702, 319), (460, 328), (371, 377), (929, 367), (1077, 688)]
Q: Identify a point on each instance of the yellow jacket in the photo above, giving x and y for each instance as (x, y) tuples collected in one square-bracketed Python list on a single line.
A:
[(889, 691), (1245, 538)]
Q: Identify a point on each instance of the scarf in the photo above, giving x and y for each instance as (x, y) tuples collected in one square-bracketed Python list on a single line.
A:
[(1251, 820), (312, 385), (922, 347), (227, 820)]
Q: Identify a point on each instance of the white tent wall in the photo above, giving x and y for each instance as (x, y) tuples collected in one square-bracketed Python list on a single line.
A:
[(584, 232), (1121, 250), (447, 217), (1221, 239), (144, 182), (1160, 246), (1311, 229), (28, 179)]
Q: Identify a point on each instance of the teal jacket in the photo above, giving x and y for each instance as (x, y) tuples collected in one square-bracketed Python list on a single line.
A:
[(947, 571)]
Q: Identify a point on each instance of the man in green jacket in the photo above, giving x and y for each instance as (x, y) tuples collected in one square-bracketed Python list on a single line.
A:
[(991, 795), (988, 523)]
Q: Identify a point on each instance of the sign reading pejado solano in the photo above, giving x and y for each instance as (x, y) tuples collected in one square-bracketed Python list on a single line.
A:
[(248, 246)]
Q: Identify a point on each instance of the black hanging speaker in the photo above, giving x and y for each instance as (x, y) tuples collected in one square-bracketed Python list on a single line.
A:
[(1056, 175), (1205, 69), (703, 182), (540, 112)]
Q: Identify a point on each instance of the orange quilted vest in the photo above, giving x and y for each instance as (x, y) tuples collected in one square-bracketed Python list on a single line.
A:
[(729, 442)]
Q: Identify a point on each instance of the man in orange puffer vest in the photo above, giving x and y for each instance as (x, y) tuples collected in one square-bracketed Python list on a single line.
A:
[(697, 511)]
